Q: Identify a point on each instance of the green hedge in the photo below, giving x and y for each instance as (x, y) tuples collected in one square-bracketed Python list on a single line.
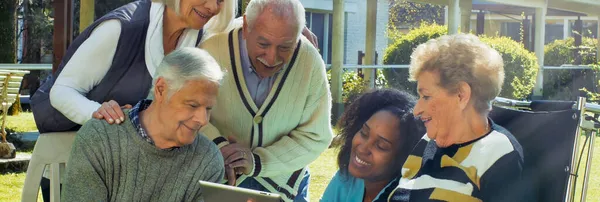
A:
[(353, 84), (399, 53), (558, 84), (560, 52), (520, 65)]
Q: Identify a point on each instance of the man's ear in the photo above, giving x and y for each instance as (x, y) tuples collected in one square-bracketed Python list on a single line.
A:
[(464, 94), (244, 28), (160, 89)]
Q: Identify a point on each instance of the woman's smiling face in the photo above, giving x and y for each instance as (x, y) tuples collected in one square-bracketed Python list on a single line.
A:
[(374, 148), (196, 13)]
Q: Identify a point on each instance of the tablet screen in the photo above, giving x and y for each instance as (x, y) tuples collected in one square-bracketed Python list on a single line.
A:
[(214, 192)]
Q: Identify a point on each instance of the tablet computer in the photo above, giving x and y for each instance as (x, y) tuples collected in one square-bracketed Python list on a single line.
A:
[(214, 192)]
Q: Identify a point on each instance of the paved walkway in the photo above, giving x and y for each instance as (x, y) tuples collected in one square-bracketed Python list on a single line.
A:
[(18, 164)]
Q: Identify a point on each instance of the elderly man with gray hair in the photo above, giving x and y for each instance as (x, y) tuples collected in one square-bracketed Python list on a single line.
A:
[(273, 113), (157, 153)]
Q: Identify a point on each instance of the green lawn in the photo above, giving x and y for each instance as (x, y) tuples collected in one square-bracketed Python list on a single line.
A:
[(21, 123), (593, 191), (11, 184), (321, 170)]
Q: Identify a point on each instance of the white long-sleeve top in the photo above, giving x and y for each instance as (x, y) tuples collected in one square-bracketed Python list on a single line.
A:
[(92, 60)]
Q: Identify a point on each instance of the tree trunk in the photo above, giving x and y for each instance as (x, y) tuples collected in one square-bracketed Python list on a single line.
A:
[(8, 31), (33, 43)]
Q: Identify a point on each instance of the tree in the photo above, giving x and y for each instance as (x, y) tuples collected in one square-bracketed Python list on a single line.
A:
[(242, 7), (405, 13), (101, 8), (37, 37), (8, 22)]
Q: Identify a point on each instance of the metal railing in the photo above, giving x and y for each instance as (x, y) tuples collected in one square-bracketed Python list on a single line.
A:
[(589, 107), (405, 66), (346, 66), (26, 66), (352, 66)]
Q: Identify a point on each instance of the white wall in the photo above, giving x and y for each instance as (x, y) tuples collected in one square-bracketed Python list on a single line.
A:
[(356, 31), (356, 24), (327, 5)]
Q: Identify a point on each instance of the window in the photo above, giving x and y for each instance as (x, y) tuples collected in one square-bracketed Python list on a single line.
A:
[(321, 25), (512, 30), (553, 32)]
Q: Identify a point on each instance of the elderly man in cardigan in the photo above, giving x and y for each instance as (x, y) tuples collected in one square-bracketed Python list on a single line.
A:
[(272, 116), (156, 154)]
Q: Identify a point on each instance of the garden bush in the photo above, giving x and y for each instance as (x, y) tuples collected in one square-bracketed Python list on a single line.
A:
[(353, 84), (558, 84), (399, 53), (560, 52), (520, 65)]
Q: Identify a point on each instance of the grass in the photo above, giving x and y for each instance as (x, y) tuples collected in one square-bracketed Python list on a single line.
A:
[(11, 184), (321, 171), (593, 191), (22, 123)]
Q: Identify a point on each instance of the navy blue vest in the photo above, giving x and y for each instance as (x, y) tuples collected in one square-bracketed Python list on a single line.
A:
[(127, 81)]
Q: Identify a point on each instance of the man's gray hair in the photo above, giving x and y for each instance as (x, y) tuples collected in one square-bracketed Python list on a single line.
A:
[(290, 10), (187, 64)]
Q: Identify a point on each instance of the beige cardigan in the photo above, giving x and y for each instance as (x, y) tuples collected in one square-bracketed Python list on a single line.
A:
[(290, 130)]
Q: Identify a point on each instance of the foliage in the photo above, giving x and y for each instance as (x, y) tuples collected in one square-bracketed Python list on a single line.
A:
[(411, 14), (241, 7), (594, 96), (353, 84), (561, 52), (101, 8), (558, 83), (7, 31), (399, 53), (15, 108), (520, 65)]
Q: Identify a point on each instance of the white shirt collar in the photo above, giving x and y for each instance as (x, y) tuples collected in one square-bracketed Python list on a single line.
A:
[(154, 52)]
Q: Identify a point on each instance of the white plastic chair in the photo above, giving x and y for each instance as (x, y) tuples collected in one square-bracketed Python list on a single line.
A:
[(50, 149)]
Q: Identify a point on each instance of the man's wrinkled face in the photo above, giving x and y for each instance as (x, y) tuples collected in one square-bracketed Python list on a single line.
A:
[(187, 110), (270, 42)]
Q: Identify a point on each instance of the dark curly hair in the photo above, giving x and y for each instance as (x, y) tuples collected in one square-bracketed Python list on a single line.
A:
[(362, 108)]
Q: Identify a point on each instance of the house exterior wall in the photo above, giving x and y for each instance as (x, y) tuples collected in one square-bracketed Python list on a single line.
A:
[(557, 27), (356, 31), (355, 25)]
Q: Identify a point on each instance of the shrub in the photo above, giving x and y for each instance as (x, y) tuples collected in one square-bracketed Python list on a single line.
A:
[(353, 84), (558, 84), (520, 65), (399, 53), (560, 52)]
